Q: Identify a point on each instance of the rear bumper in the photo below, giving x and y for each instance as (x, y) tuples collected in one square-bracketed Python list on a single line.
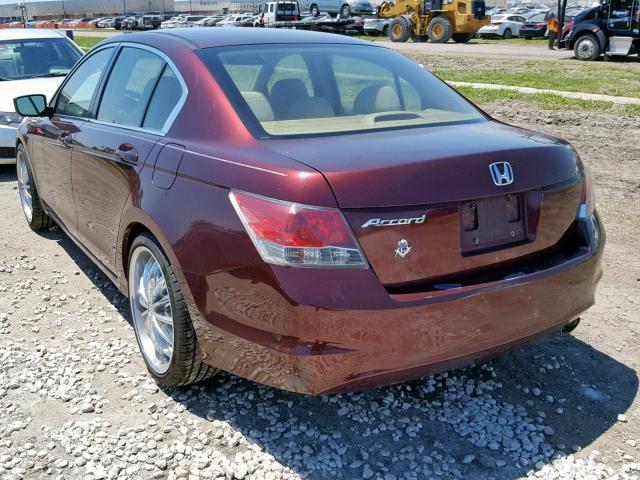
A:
[(316, 331), (532, 32)]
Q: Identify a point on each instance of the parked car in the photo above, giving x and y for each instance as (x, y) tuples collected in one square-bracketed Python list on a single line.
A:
[(31, 61), (209, 21), (107, 23), (303, 236), (130, 23), (376, 26), (503, 26), (279, 11), (171, 23), (251, 21), (117, 22), (150, 22), (534, 27), (340, 7), (234, 20), (187, 21)]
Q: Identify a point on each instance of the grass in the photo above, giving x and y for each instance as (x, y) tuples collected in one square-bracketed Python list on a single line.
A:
[(87, 42), (547, 101), (618, 79)]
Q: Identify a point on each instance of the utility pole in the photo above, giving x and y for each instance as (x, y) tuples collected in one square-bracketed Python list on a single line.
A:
[(190, 8), (64, 11), (124, 8), (23, 13)]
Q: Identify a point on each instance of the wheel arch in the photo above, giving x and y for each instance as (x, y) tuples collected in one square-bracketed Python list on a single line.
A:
[(589, 29), (132, 225)]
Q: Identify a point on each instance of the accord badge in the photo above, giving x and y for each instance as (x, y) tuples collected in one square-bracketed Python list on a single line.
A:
[(391, 222)]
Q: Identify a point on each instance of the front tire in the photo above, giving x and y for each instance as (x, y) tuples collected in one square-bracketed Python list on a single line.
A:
[(315, 11), (161, 320), (587, 48), (32, 207), (345, 11), (399, 30), (440, 30)]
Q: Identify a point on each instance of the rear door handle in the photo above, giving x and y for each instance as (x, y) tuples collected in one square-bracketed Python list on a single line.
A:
[(127, 153)]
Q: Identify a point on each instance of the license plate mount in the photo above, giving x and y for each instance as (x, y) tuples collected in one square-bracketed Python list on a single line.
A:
[(492, 223)]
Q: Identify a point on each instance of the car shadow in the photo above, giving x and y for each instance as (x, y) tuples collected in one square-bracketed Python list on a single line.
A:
[(553, 397), (434, 425), (8, 173)]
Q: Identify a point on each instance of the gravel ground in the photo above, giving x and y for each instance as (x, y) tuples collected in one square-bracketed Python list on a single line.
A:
[(76, 402)]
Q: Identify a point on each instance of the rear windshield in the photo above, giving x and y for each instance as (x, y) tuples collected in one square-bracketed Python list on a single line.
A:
[(311, 90), (538, 18)]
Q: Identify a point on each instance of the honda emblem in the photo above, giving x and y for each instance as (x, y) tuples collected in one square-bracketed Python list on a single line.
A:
[(501, 173)]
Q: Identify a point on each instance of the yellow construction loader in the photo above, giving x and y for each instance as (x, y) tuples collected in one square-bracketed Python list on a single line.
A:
[(434, 20)]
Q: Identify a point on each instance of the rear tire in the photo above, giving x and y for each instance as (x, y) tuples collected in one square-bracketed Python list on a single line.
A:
[(506, 35), (527, 38), (345, 11), (32, 207), (462, 37), (399, 30), (587, 48), (439, 30), (315, 11), (161, 320)]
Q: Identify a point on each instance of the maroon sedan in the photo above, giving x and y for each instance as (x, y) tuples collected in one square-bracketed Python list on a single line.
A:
[(306, 210)]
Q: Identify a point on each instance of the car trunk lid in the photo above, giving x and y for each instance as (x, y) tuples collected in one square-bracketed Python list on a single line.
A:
[(408, 195)]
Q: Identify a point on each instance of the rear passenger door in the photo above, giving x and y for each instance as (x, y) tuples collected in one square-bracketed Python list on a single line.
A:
[(130, 118)]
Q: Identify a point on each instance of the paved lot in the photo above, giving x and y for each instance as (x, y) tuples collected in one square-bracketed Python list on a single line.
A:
[(75, 401)]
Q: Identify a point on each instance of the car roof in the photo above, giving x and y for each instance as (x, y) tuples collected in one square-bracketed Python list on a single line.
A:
[(212, 37), (29, 33)]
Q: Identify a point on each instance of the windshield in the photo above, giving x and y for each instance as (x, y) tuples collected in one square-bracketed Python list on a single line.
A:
[(20, 59), (295, 90)]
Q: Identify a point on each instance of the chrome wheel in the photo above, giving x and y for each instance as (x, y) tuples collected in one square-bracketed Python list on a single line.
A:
[(151, 309), (24, 187), (586, 47)]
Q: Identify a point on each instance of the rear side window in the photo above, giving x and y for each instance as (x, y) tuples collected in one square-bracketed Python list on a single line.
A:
[(75, 98), (166, 96), (130, 86)]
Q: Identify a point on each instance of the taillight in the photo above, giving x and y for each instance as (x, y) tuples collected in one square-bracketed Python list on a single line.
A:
[(297, 235), (588, 196)]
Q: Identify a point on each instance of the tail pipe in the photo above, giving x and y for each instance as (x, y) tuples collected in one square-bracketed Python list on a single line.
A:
[(571, 326)]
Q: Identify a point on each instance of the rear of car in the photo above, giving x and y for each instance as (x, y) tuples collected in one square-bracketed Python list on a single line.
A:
[(534, 27), (452, 236)]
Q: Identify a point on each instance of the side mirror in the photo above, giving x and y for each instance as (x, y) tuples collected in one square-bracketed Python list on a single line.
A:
[(32, 106)]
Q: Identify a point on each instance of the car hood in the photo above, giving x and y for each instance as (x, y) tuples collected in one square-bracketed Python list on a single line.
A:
[(431, 164), (16, 88)]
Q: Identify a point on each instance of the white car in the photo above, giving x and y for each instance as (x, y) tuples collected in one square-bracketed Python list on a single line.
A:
[(171, 23), (504, 26), (32, 61), (234, 20)]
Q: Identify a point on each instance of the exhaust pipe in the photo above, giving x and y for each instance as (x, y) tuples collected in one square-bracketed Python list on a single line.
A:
[(571, 326)]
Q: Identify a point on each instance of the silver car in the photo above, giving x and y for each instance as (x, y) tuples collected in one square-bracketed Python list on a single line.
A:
[(340, 7)]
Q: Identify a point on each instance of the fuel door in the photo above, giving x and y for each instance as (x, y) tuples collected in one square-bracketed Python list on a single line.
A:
[(167, 165)]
